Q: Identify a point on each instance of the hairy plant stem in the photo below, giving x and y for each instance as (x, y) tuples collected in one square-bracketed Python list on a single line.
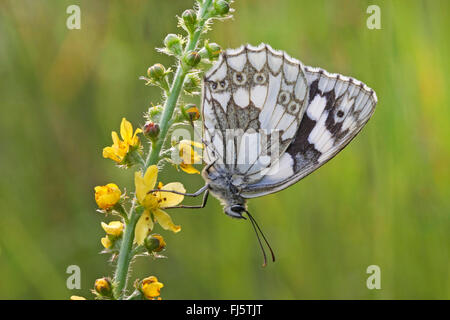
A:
[(175, 90), (120, 277), (125, 254)]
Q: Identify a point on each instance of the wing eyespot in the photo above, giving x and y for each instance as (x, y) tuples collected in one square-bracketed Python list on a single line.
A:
[(259, 78), (293, 107), (239, 78), (284, 97)]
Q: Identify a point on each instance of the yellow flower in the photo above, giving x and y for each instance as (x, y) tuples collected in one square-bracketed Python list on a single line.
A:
[(189, 156), (119, 149), (77, 298), (107, 196), (154, 202), (151, 287), (106, 242), (114, 228)]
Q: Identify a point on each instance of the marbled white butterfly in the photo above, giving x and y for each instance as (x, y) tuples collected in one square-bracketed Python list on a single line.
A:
[(269, 121)]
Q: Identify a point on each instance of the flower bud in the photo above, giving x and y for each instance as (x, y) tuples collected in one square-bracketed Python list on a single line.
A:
[(213, 50), (103, 287), (191, 84), (190, 20), (173, 44), (191, 112), (154, 113), (221, 6), (151, 130), (192, 58), (156, 72), (154, 243), (106, 242), (203, 53)]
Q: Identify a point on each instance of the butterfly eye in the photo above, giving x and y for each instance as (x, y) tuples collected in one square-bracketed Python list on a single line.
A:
[(340, 114), (259, 78), (223, 84), (284, 97), (239, 78), (293, 107)]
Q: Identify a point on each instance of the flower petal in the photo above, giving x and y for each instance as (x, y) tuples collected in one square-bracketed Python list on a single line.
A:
[(165, 221), (145, 183), (115, 138), (150, 176), (143, 227), (188, 168), (141, 188), (135, 140), (126, 130), (110, 153), (168, 199), (114, 228)]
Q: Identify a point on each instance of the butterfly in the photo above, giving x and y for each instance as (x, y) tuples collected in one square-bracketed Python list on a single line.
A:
[(269, 121)]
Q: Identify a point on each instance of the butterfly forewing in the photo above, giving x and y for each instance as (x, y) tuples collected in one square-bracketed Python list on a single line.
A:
[(338, 107), (254, 99)]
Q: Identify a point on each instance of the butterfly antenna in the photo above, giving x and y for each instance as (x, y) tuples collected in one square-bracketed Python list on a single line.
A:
[(257, 228)]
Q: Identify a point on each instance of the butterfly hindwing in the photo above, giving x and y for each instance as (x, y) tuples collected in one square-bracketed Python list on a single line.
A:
[(338, 108), (253, 99)]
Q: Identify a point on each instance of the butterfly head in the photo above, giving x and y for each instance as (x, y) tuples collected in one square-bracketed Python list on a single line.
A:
[(235, 211)]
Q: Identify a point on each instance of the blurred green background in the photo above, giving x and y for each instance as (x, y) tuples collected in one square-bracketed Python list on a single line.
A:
[(383, 201)]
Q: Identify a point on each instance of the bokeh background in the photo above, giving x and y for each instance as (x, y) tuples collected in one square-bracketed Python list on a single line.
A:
[(383, 201)]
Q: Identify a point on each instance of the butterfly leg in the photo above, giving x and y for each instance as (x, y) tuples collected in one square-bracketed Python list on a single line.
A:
[(195, 194), (205, 199)]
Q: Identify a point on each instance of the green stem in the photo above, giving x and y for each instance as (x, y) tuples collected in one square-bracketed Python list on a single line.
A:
[(125, 254), (175, 90)]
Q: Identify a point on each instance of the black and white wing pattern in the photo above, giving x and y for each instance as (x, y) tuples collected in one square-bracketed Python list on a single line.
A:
[(338, 108), (253, 100)]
